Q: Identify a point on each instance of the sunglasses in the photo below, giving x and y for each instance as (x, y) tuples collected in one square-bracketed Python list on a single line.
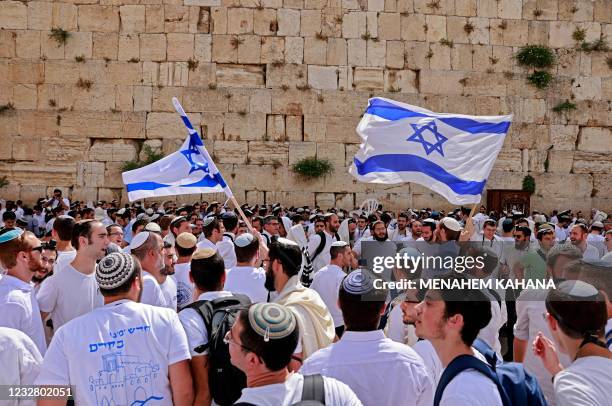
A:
[(40, 249)]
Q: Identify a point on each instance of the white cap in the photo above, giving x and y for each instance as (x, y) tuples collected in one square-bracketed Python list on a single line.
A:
[(139, 239), (121, 211), (451, 224), (339, 244), (153, 227), (244, 239)]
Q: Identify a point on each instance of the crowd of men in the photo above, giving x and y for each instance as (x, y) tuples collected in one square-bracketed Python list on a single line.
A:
[(158, 304)]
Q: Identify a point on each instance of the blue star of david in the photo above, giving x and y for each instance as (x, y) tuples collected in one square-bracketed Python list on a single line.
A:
[(195, 166), (429, 147)]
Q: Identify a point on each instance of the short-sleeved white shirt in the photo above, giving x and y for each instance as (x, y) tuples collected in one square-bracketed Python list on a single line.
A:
[(327, 282), (19, 310), (20, 360), (184, 286), (63, 258), (225, 247), (193, 323), (69, 294), (587, 381), (290, 392), (151, 291), (117, 354), (169, 290), (247, 280)]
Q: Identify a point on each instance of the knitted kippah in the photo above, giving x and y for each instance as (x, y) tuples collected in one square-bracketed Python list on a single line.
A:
[(114, 269), (271, 320), (244, 239), (204, 253), (186, 240), (10, 235), (358, 283)]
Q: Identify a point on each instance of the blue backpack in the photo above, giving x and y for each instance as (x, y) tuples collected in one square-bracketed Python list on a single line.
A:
[(516, 387)]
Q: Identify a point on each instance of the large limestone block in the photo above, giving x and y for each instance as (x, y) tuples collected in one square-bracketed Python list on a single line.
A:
[(132, 18), (65, 16), (103, 124), (334, 152), (231, 152), (79, 44), (595, 139), (587, 88), (180, 47), (105, 46), (368, 79), (245, 126), (40, 15), (90, 174), (21, 71), (389, 26), (376, 53), (564, 185), (13, 15), (301, 150), (27, 44), (265, 22), (176, 18), (165, 125), (31, 173), (272, 153), (353, 25), (112, 151), (276, 128), (323, 77), (341, 130), (288, 22), (310, 23), (240, 75), (240, 20), (272, 49), (98, 18), (589, 162), (152, 47)]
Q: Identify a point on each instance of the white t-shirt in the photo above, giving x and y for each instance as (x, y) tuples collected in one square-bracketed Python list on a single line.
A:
[(379, 370), (430, 358), (63, 258), (225, 247), (397, 330), (169, 290), (117, 354), (184, 287), (471, 388), (20, 360), (327, 284), (591, 253), (290, 392), (194, 326), (324, 257), (247, 280), (68, 294), (19, 310), (206, 243), (587, 381), (151, 291)]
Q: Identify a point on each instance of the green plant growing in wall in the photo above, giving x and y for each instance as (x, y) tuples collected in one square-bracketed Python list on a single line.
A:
[(59, 35), (599, 45), (536, 56), (579, 34), (529, 184), (565, 106), (6, 108), (4, 181), (150, 157), (540, 79), (312, 168)]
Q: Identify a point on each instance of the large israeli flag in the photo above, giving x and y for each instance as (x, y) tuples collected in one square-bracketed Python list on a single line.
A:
[(451, 154), (186, 171)]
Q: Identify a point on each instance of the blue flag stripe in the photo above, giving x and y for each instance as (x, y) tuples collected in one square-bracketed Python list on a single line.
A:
[(394, 112), (204, 182), (414, 163)]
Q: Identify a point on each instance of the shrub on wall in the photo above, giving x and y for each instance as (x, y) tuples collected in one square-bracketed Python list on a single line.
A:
[(313, 168)]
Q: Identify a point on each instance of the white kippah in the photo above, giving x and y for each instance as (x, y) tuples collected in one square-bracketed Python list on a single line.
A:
[(339, 244), (451, 224), (139, 239), (244, 239), (153, 227)]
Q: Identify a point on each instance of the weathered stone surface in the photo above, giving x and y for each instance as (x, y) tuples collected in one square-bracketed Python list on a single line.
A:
[(240, 76), (595, 139), (13, 15), (230, 152), (589, 162), (272, 153), (112, 151)]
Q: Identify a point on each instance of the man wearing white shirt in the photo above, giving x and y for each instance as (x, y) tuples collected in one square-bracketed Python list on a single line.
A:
[(168, 285), (185, 246), (561, 232), (379, 370), (451, 320), (402, 231), (20, 256), (212, 233), (62, 233), (93, 353), (328, 279), (20, 360), (74, 291), (226, 245), (488, 238), (578, 237), (362, 229), (271, 226), (321, 257), (245, 278), (149, 249), (208, 275), (58, 200)]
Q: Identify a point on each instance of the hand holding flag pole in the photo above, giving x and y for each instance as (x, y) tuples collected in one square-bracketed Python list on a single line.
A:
[(213, 167)]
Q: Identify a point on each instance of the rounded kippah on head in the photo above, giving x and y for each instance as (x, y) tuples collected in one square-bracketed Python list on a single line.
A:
[(451, 224), (186, 240), (114, 269), (244, 239), (10, 235), (204, 253), (208, 220), (358, 283), (271, 320), (339, 244), (139, 239), (153, 227)]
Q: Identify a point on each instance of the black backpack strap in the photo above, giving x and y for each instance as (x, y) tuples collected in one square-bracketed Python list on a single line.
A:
[(313, 388), (321, 246), (496, 295), (228, 236)]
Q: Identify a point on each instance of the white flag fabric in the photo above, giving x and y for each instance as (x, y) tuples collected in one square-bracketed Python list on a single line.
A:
[(451, 154), (185, 171)]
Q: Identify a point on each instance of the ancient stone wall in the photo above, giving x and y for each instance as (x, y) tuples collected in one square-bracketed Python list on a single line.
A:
[(272, 81)]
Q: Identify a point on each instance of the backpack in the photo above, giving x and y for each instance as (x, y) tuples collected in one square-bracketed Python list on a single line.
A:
[(313, 392), (322, 244), (516, 386), (225, 380)]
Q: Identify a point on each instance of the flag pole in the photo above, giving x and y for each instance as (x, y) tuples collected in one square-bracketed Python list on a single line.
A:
[(213, 167)]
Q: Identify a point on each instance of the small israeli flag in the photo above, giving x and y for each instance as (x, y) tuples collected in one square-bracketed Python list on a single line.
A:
[(190, 170), (451, 154)]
